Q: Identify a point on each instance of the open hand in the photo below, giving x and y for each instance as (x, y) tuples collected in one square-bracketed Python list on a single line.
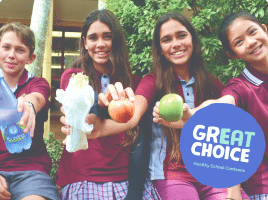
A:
[(28, 116), (179, 124), (115, 92)]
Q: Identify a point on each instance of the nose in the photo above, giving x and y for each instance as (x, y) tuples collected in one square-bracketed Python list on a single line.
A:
[(176, 43), (100, 43), (250, 41), (11, 54)]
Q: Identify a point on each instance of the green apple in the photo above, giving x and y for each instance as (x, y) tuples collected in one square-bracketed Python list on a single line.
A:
[(171, 107)]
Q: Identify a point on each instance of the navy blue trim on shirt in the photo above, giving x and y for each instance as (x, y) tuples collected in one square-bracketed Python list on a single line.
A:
[(97, 110)]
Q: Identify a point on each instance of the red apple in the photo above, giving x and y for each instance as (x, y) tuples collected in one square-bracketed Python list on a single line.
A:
[(121, 111)]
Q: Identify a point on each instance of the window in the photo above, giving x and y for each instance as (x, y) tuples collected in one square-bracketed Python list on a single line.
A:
[(65, 51)]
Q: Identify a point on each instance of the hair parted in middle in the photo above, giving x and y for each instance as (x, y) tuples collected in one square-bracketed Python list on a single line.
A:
[(166, 81), (121, 71), (228, 20)]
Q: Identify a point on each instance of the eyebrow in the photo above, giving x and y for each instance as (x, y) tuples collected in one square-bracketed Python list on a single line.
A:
[(178, 32), (105, 33)]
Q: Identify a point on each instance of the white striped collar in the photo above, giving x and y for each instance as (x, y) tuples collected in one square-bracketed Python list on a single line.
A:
[(251, 78)]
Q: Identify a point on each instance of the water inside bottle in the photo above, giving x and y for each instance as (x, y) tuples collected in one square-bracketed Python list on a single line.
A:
[(14, 137)]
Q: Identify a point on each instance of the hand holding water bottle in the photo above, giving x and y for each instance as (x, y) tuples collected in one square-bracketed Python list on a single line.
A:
[(10, 125)]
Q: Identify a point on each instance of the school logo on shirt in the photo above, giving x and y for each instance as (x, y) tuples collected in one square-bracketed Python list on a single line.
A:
[(222, 145)]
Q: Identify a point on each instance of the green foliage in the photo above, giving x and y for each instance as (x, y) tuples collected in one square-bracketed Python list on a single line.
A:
[(207, 17), (54, 149), (138, 24)]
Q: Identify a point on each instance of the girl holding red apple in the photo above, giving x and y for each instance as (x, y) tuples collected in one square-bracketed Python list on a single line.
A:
[(101, 171), (243, 37), (178, 68)]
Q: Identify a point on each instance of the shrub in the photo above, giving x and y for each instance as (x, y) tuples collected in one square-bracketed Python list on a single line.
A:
[(54, 149), (138, 23)]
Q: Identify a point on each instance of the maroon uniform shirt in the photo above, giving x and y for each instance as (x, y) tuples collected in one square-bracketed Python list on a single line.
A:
[(103, 161), (250, 90), (172, 170), (36, 158)]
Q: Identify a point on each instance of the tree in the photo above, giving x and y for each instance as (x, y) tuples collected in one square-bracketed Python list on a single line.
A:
[(138, 23), (39, 25)]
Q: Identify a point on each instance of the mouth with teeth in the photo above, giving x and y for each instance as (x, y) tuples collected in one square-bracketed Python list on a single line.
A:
[(102, 53), (178, 53), (257, 50)]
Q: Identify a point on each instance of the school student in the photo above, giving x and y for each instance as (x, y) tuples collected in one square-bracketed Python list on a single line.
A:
[(101, 171), (243, 37), (25, 175), (178, 68)]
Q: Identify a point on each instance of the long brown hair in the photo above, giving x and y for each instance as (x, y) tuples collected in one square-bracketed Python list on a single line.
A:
[(165, 79), (121, 71)]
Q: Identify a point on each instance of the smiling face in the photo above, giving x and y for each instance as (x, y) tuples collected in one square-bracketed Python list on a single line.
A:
[(98, 43), (176, 43), (14, 55), (248, 41)]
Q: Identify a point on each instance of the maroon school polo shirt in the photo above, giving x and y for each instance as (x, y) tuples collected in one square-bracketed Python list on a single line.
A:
[(103, 161), (250, 90), (172, 170), (36, 158)]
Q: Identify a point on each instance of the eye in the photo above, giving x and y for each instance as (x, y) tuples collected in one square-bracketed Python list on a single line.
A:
[(5, 47), (238, 42), (182, 36), (165, 40), (252, 31), (108, 36), (21, 50), (92, 38)]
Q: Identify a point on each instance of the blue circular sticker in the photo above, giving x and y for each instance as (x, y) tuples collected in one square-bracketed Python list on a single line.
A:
[(222, 145)]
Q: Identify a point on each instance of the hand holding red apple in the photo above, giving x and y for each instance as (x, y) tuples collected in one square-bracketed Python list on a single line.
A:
[(115, 92), (121, 111)]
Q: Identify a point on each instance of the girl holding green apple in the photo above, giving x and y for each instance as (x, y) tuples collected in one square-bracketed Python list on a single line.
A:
[(243, 37)]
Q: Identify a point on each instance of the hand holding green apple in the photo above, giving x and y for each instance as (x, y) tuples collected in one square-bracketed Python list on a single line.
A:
[(181, 111), (171, 107)]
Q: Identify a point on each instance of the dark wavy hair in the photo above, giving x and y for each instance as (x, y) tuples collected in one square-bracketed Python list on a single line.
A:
[(121, 71), (165, 79)]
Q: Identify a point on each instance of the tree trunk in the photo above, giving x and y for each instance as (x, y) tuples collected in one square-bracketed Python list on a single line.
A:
[(39, 25)]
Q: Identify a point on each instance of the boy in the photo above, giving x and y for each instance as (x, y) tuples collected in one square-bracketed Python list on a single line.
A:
[(25, 175)]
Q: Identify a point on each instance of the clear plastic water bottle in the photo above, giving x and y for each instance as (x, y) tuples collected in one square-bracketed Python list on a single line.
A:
[(14, 137)]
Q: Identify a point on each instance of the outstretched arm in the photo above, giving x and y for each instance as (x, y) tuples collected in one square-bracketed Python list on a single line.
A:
[(106, 127), (30, 104), (187, 112)]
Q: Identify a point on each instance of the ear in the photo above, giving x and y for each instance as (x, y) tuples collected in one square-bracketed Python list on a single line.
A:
[(265, 27), (232, 55), (85, 42), (31, 58)]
